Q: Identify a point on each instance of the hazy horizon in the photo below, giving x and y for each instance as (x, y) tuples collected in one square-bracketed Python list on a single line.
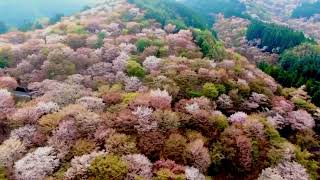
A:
[(15, 12)]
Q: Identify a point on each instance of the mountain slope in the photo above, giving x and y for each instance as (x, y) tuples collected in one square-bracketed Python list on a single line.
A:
[(118, 95)]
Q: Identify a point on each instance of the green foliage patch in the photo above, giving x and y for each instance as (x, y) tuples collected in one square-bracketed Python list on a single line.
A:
[(167, 11), (275, 38)]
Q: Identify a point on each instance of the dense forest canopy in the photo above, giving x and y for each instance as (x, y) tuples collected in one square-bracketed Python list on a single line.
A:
[(307, 10), (184, 18), (146, 90), (169, 11), (208, 8), (273, 37), (299, 66)]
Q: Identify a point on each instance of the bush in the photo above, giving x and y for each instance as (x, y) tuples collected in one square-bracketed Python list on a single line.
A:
[(135, 69), (100, 42), (7, 54), (58, 64), (151, 144), (50, 121), (167, 120), (219, 121), (210, 90), (306, 159), (175, 148), (209, 45), (164, 174), (216, 154), (108, 167), (3, 62), (3, 175), (76, 41), (121, 144), (142, 44), (82, 147)]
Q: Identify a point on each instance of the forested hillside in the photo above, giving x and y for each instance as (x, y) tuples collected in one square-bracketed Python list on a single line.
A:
[(275, 38), (145, 90), (209, 8), (299, 66), (232, 31), (296, 60), (168, 11)]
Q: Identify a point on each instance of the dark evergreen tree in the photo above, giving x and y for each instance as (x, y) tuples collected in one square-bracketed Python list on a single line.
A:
[(275, 38), (298, 66)]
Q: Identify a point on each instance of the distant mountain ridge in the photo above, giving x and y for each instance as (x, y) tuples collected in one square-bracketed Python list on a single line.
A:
[(146, 91)]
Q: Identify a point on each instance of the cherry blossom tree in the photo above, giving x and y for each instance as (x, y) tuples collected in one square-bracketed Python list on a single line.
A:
[(132, 84), (128, 48), (192, 108), (64, 137), (110, 53), (285, 170), (83, 58), (170, 165), (239, 117), (281, 105), (300, 120), (160, 99), (7, 103), (170, 28), (32, 114), (152, 63), (194, 174), (23, 67), (36, 165), (120, 63), (80, 165), (11, 150), (277, 120), (64, 94), (92, 103), (99, 69), (25, 134), (198, 155), (237, 147), (8, 83), (182, 41), (224, 102), (138, 166), (145, 121)]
